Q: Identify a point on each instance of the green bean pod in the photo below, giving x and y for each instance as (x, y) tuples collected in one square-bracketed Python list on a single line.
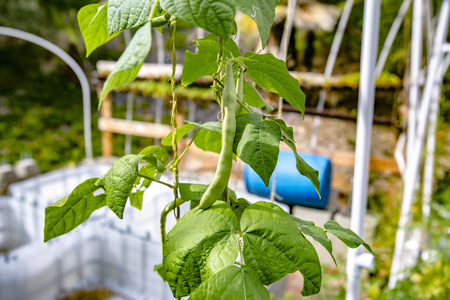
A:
[(240, 93), (223, 171)]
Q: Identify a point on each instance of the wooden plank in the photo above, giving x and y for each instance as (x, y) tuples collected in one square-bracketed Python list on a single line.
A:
[(347, 159), (148, 70), (306, 79), (136, 128), (107, 137)]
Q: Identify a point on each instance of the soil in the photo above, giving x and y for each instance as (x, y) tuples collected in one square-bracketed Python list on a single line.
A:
[(4, 250), (89, 294)]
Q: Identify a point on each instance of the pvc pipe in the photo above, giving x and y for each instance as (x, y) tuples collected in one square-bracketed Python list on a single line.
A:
[(160, 58), (391, 37), (330, 66), (446, 47), (429, 158), (416, 67), (429, 27), (428, 173), (292, 5), (129, 116), (366, 261), (398, 154), (414, 161), (76, 69), (363, 138)]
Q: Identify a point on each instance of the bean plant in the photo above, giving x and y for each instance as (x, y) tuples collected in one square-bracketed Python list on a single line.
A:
[(224, 247)]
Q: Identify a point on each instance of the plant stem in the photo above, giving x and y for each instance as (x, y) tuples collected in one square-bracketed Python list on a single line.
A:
[(244, 105), (171, 206), (159, 21), (172, 30), (217, 84), (160, 182), (187, 147), (152, 12)]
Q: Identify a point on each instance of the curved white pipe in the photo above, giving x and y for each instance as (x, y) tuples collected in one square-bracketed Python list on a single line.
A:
[(391, 37), (74, 66)]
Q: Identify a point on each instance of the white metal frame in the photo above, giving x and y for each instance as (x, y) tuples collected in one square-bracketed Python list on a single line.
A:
[(366, 99), (76, 69), (414, 160)]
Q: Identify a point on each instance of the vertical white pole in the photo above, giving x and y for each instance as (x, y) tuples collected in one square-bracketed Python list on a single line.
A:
[(414, 161), (415, 68), (366, 101), (160, 58), (292, 5), (431, 142)]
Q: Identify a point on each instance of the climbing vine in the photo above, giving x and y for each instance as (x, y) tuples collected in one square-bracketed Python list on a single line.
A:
[(224, 245)]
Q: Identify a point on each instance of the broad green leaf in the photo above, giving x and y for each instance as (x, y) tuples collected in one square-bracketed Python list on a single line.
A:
[(317, 233), (160, 269), (130, 62), (208, 140), (136, 199), (151, 158), (262, 12), (274, 247), (253, 98), (303, 168), (159, 152), (301, 222), (213, 126), (181, 132), (146, 171), (346, 235), (94, 26), (199, 245), (288, 131), (271, 74), (118, 182), (257, 143), (234, 283), (71, 211), (239, 207), (156, 156), (214, 16), (204, 62), (124, 14)]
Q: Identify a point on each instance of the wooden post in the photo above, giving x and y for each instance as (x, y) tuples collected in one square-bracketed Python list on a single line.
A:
[(107, 137), (179, 117)]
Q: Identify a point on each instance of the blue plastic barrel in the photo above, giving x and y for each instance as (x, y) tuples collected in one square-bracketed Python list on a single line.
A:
[(294, 188)]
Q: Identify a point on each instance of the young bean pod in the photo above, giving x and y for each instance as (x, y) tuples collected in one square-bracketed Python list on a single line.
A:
[(240, 92), (223, 171)]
